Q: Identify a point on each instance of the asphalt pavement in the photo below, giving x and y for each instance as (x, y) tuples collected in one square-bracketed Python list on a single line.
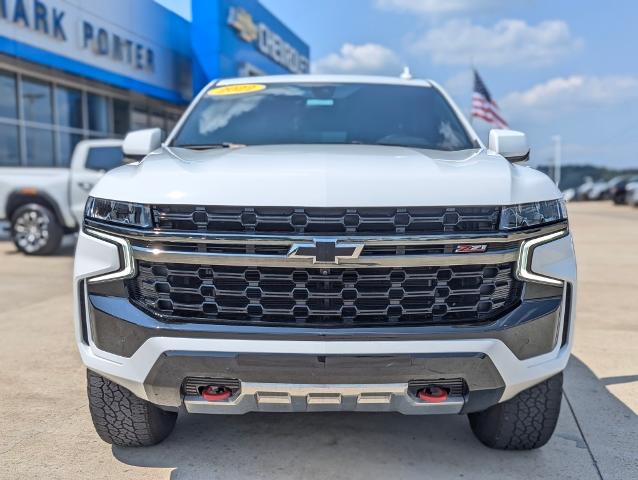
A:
[(47, 431)]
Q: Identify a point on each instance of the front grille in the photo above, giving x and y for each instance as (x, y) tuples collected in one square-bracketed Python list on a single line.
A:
[(326, 221), (325, 297)]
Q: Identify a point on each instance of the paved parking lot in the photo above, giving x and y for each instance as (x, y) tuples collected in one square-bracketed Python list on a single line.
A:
[(47, 432)]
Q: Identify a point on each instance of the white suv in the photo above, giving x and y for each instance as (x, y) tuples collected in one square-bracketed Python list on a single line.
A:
[(322, 243)]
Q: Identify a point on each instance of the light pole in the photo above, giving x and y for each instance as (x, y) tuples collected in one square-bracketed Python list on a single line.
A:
[(557, 158)]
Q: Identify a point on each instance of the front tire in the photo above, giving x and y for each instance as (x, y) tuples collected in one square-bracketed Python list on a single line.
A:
[(120, 418), (524, 422), (35, 230)]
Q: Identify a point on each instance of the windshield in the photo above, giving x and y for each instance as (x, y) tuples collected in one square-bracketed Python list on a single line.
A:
[(347, 113)]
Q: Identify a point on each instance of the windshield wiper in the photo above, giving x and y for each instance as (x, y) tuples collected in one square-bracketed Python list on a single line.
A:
[(210, 146)]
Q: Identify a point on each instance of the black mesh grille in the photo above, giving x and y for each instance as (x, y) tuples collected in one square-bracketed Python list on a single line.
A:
[(326, 221), (325, 297)]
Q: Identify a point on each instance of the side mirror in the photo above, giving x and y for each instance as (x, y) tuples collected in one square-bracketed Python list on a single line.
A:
[(511, 144), (140, 143)]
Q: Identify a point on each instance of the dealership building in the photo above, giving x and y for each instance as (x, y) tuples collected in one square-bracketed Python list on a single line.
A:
[(78, 69)]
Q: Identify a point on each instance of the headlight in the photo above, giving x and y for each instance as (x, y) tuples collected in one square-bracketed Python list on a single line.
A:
[(532, 214), (112, 211)]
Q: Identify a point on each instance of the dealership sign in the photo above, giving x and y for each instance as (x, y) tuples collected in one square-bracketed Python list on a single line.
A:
[(267, 41), (38, 16)]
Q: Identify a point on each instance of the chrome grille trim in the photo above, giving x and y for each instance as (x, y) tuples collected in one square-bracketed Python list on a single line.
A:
[(249, 239), (152, 246), (205, 258)]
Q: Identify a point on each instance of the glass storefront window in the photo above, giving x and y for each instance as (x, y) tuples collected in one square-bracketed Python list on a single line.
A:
[(157, 120), (171, 121), (98, 108), (36, 101), (68, 141), (121, 117), (40, 152), (42, 121), (8, 104), (139, 119), (68, 104), (9, 146)]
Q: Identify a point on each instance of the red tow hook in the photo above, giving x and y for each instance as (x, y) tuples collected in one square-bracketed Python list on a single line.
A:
[(432, 394), (216, 394)]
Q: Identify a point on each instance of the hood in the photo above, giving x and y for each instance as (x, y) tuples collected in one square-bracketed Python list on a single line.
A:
[(325, 176)]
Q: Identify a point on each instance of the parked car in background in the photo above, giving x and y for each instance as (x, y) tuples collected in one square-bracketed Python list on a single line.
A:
[(569, 194), (631, 193), (44, 204), (598, 191), (618, 188), (582, 192)]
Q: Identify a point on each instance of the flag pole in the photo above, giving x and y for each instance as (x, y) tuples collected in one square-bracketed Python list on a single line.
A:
[(472, 91)]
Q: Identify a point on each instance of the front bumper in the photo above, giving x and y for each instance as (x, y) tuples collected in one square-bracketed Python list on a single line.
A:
[(277, 397), (304, 382), (497, 361)]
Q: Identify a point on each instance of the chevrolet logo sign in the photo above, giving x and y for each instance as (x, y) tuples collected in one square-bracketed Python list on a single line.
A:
[(325, 251), (242, 21)]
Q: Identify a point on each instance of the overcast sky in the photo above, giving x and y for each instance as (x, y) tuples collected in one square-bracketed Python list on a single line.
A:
[(555, 67)]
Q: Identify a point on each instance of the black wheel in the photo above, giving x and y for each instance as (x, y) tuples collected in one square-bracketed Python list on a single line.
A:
[(524, 422), (619, 199), (122, 419), (35, 230)]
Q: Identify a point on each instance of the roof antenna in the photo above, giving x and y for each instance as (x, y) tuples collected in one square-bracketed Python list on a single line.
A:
[(406, 74)]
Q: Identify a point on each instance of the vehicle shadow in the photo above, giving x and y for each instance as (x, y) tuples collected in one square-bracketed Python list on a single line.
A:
[(67, 249), (357, 445), (609, 427)]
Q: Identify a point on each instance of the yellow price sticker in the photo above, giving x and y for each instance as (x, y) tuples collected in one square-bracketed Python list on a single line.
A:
[(236, 89)]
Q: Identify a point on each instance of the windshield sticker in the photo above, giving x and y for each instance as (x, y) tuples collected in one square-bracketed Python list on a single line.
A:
[(320, 102), (236, 89)]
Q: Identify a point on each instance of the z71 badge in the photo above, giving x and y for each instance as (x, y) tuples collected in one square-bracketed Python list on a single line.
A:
[(475, 248)]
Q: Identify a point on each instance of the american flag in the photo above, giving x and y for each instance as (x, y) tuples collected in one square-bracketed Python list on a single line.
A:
[(483, 106)]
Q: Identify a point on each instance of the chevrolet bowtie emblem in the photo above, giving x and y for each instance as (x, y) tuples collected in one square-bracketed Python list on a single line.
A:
[(325, 251), (242, 21)]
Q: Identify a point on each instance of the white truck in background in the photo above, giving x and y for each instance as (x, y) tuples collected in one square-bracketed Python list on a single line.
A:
[(41, 205)]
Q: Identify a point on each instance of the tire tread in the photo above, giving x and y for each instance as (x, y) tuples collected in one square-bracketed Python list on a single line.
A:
[(524, 422), (121, 418)]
